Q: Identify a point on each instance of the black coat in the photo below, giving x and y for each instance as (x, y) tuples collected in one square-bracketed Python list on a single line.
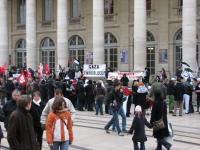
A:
[(171, 89), (138, 125), (140, 99), (43, 91), (8, 108), (159, 108), (20, 133), (89, 90), (179, 91), (36, 112)]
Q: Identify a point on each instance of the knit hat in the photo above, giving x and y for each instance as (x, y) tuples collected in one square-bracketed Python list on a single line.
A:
[(138, 108)]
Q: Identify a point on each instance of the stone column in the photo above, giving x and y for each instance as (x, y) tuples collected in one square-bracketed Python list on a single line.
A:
[(31, 34), (139, 35), (98, 31), (189, 33), (3, 32), (62, 33)]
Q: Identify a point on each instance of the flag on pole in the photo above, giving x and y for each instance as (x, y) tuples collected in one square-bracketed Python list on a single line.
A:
[(126, 91), (40, 70), (186, 70), (76, 61), (3, 69), (46, 69), (21, 79)]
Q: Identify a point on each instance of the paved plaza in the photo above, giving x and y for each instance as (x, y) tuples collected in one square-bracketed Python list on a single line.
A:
[(89, 133)]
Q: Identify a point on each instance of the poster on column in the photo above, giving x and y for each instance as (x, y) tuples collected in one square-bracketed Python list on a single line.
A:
[(89, 57), (94, 70), (124, 57)]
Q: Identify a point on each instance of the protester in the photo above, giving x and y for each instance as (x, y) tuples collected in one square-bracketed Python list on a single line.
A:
[(89, 90), (48, 107), (171, 93), (124, 80), (188, 88), (2, 118), (80, 92), (159, 110), (179, 91), (21, 135), (36, 110), (99, 93), (116, 98), (10, 106), (142, 92), (138, 126), (197, 91), (59, 132)]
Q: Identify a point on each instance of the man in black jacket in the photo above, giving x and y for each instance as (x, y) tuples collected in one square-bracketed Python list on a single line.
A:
[(179, 91), (10, 106), (116, 96)]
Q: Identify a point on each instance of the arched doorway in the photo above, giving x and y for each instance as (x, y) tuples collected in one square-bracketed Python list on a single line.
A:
[(47, 47), (110, 51), (21, 53), (150, 53), (76, 49)]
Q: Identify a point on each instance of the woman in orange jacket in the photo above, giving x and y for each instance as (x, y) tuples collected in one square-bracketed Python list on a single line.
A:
[(59, 132)]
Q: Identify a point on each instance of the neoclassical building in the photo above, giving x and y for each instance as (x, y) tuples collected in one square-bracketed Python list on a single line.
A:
[(126, 35)]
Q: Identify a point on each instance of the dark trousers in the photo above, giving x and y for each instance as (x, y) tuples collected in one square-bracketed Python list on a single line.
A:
[(129, 106), (198, 103), (114, 120), (163, 142), (136, 146), (39, 137)]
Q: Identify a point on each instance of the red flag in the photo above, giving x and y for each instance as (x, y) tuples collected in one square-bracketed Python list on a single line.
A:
[(3, 69), (21, 79), (46, 69), (40, 70), (126, 91)]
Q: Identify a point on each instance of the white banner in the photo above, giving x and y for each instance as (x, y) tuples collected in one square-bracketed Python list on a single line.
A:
[(94, 70), (130, 75)]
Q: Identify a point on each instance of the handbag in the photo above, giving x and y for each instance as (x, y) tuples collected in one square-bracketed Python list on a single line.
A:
[(159, 124)]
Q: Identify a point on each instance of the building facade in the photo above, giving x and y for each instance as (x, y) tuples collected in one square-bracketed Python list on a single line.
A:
[(127, 35)]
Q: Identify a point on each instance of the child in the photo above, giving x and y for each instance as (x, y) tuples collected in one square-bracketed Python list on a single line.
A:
[(59, 132), (138, 125)]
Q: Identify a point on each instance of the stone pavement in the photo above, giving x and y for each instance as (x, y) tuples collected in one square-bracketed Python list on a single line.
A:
[(89, 133)]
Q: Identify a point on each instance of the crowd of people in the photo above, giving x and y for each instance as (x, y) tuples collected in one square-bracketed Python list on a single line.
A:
[(50, 104)]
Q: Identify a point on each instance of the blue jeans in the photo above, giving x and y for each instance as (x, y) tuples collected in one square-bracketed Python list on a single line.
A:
[(99, 104), (60, 145), (136, 147), (122, 113), (114, 120), (164, 143)]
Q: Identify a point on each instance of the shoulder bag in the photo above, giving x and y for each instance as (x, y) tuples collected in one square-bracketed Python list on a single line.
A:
[(159, 124)]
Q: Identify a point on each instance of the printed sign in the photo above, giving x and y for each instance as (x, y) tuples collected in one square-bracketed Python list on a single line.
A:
[(130, 75), (94, 70)]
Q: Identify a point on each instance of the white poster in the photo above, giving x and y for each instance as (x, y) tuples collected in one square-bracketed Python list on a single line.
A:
[(89, 57), (94, 70)]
